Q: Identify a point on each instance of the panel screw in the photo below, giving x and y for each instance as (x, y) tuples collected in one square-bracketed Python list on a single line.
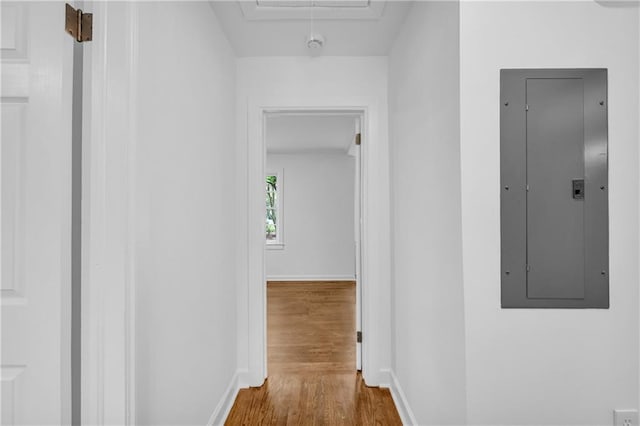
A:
[(602, 187), (601, 102), (506, 188), (507, 272), (603, 272), (506, 104)]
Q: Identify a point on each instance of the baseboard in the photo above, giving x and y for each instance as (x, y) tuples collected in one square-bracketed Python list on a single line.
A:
[(311, 278), (406, 415), (226, 402), (384, 378), (247, 380)]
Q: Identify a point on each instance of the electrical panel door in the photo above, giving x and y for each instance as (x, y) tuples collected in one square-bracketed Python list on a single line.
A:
[(554, 204)]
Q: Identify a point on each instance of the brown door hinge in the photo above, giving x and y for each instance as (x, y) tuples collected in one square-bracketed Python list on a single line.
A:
[(358, 336), (78, 24), (358, 138)]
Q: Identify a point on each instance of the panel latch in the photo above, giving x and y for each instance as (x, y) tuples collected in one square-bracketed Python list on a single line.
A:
[(577, 187)]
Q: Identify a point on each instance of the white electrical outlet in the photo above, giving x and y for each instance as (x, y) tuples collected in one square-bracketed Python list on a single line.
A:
[(625, 418)]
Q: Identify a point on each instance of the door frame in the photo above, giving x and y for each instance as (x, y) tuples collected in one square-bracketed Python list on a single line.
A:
[(375, 266), (108, 214), (353, 152)]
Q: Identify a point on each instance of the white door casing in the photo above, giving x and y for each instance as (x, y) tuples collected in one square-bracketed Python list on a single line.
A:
[(375, 238), (36, 61), (108, 275)]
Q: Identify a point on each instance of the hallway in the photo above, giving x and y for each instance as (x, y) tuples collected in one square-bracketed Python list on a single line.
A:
[(311, 362), (474, 166)]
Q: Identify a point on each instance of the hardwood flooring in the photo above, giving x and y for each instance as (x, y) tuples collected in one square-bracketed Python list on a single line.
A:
[(311, 326), (312, 363), (314, 399)]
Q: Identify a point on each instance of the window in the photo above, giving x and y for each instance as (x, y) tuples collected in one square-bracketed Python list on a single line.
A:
[(273, 217)]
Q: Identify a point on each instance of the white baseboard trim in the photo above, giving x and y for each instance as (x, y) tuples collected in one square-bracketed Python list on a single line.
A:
[(406, 415), (247, 380), (221, 412), (385, 379), (311, 278)]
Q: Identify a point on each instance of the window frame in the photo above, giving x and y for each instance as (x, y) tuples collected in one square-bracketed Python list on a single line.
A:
[(278, 242)]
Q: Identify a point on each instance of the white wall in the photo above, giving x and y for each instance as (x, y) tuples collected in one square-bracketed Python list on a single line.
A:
[(305, 80), (426, 214), (185, 324), (543, 367), (318, 204)]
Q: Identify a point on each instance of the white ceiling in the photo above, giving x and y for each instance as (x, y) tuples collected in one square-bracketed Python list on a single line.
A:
[(309, 133), (257, 28)]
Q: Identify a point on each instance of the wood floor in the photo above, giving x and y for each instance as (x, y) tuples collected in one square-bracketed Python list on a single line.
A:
[(311, 327), (312, 363)]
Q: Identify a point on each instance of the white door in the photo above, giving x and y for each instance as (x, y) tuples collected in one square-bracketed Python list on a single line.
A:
[(35, 181), (357, 217)]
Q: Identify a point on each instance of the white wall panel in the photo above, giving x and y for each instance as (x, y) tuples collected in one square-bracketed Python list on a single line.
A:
[(427, 242), (185, 208), (318, 217), (555, 366)]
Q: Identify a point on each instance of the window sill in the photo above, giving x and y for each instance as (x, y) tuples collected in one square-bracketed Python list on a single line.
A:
[(275, 246)]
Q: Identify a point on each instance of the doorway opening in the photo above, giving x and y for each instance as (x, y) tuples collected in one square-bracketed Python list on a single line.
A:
[(299, 366), (312, 241), (292, 398), (375, 233)]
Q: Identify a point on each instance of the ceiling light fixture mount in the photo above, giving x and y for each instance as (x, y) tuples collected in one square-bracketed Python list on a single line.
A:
[(315, 41)]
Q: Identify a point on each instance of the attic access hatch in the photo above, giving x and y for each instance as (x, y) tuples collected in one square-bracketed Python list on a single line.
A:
[(305, 9), (313, 3)]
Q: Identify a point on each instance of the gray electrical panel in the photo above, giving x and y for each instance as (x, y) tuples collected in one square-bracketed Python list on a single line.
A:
[(554, 188)]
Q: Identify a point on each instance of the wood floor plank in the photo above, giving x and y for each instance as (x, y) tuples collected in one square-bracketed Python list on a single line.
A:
[(312, 363)]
